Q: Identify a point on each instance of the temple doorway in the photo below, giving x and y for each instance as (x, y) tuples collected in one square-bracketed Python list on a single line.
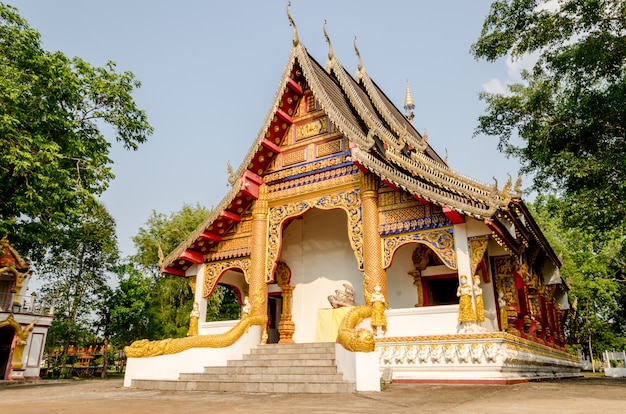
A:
[(274, 310), (6, 340)]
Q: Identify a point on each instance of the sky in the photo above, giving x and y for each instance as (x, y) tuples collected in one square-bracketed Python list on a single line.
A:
[(210, 70)]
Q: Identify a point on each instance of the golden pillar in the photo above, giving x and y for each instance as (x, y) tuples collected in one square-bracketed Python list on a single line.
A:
[(286, 327), (374, 274), (258, 249)]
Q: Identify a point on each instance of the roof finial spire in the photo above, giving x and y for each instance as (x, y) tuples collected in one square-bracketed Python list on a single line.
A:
[(409, 105), (330, 45), (292, 23), (358, 55)]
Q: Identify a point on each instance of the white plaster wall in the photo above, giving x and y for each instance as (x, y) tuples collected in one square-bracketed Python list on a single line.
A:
[(191, 360), (317, 250), (427, 320), (401, 292), (362, 368)]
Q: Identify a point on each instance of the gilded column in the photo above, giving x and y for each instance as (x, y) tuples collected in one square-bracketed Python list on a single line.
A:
[(373, 272), (258, 249), (286, 327)]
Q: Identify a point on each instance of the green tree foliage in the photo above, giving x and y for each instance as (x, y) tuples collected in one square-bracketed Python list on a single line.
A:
[(163, 233), (125, 310), (54, 157), (74, 272), (592, 266), (569, 110), (171, 298)]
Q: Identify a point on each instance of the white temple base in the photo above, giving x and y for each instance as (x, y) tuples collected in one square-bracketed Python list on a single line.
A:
[(192, 360)]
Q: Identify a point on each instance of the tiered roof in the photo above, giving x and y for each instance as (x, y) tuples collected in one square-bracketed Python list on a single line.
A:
[(382, 141)]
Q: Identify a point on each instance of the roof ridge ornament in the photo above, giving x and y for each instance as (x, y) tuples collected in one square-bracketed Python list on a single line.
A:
[(409, 104), (296, 40), (360, 65), (331, 54)]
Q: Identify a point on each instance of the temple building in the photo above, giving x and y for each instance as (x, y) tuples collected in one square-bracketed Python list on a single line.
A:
[(343, 226), (24, 322)]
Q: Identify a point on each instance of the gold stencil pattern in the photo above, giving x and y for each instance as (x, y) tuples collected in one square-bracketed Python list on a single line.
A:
[(213, 271), (328, 148), (310, 129), (441, 241), (294, 157), (350, 202)]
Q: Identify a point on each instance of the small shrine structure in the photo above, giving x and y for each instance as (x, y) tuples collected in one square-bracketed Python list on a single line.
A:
[(452, 279), (24, 322)]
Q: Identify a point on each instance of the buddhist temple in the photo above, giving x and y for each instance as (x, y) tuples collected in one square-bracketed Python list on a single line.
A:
[(24, 321), (343, 226)]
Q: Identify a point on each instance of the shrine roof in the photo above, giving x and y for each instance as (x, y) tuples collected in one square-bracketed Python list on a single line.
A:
[(383, 141)]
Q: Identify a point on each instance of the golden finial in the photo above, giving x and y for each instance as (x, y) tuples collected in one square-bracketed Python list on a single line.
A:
[(409, 105), (232, 178), (292, 23), (358, 55), (330, 45), (518, 185)]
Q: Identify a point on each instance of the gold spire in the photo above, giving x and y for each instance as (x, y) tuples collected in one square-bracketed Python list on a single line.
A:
[(409, 105), (292, 23), (330, 45), (358, 54), (331, 55)]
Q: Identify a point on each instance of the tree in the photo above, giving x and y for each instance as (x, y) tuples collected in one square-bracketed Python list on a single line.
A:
[(591, 262), (164, 233), (569, 111), (54, 157), (75, 272), (171, 298), (126, 307)]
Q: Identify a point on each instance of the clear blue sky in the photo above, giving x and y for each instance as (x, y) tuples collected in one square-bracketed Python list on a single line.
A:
[(210, 70)]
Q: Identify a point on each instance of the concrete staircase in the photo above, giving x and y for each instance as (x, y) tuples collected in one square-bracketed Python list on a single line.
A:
[(289, 368)]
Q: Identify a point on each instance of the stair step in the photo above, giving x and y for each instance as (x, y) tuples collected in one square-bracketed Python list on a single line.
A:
[(236, 370), (242, 386), (289, 368), (282, 363), (261, 377)]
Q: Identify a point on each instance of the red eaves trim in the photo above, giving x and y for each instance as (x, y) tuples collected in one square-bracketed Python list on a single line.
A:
[(293, 85), (192, 256), (504, 235), (173, 271), (270, 146), (249, 175), (208, 236), (230, 216), (390, 184), (453, 216), (284, 116)]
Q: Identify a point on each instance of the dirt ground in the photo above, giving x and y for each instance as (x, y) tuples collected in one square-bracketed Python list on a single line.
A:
[(581, 395)]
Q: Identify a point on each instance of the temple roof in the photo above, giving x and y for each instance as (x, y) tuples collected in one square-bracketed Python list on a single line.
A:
[(383, 142)]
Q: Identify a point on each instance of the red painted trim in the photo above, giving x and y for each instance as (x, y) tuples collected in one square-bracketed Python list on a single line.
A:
[(453, 215), (249, 175), (495, 226), (361, 167), (420, 199), (468, 381), (192, 256), (270, 146), (207, 236), (173, 271), (230, 216), (284, 116), (390, 184), (293, 85)]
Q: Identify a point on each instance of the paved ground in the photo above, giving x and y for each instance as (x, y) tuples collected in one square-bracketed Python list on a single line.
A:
[(583, 395)]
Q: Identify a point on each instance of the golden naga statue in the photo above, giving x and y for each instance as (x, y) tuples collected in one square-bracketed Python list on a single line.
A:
[(360, 340), (147, 348)]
